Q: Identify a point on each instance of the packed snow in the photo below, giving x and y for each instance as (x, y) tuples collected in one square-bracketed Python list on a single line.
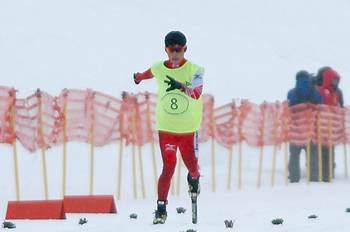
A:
[(250, 50)]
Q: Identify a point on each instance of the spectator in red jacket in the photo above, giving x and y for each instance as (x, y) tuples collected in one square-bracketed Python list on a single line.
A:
[(318, 81), (330, 97), (329, 88)]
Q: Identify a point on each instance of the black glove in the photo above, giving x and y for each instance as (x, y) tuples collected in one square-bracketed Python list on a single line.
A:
[(135, 75), (174, 84)]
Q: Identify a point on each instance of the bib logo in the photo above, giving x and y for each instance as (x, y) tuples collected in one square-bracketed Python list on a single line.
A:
[(197, 76), (327, 91), (170, 147)]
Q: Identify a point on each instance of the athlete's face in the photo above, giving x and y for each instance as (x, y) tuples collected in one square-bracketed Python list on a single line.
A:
[(175, 53)]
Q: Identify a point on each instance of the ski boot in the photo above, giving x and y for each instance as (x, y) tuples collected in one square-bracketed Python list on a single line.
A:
[(193, 185), (160, 214)]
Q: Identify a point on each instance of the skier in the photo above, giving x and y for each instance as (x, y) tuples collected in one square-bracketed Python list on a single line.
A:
[(303, 92), (330, 96), (179, 115)]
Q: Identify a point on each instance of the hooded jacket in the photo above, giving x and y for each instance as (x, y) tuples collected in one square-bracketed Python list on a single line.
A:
[(328, 92), (304, 91)]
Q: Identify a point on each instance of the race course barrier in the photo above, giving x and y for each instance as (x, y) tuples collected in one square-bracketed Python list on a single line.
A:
[(42, 121)]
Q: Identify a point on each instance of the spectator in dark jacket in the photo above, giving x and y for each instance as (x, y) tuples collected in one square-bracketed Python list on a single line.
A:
[(303, 92)]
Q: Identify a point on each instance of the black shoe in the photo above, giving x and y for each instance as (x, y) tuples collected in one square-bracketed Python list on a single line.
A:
[(160, 214), (193, 185)]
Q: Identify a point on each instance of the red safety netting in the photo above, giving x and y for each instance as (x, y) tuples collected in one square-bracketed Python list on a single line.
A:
[(252, 123), (302, 124), (317, 123), (346, 114), (145, 105), (273, 131), (90, 116), (285, 123), (332, 125), (43, 121), (75, 105), (205, 131), (7, 98), (35, 119), (106, 117), (226, 125)]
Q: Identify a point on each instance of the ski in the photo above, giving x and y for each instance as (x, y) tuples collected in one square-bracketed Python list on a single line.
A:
[(194, 207)]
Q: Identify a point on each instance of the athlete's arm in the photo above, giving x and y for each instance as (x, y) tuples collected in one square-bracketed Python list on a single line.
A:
[(197, 85), (138, 77)]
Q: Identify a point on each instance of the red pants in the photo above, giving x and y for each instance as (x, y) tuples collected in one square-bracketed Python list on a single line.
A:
[(188, 146)]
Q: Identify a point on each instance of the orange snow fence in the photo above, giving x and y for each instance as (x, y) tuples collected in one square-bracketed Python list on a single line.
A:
[(81, 110), (43, 121), (255, 124), (226, 125), (206, 130), (6, 103), (302, 124), (145, 105)]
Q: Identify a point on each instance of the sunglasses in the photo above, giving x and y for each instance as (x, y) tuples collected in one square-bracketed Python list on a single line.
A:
[(173, 49)]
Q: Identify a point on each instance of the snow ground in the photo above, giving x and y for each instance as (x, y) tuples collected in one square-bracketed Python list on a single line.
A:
[(247, 48)]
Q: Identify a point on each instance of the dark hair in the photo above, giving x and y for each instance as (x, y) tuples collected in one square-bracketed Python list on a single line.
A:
[(313, 78), (175, 37), (302, 73)]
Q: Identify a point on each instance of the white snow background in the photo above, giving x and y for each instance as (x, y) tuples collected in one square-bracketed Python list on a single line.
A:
[(250, 50)]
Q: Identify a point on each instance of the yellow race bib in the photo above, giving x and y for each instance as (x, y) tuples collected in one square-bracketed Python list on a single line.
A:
[(177, 112)]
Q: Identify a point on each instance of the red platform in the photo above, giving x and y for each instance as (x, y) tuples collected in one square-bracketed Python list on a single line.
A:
[(90, 204), (47, 209)]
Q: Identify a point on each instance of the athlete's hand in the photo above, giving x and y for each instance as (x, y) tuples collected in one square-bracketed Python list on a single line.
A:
[(174, 84), (135, 78)]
